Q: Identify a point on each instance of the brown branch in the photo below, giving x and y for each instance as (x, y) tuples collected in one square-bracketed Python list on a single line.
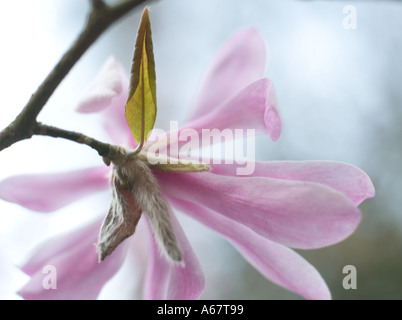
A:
[(108, 151), (99, 19), (97, 4)]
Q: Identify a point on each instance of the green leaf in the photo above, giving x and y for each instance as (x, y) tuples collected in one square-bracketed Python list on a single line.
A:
[(141, 103)]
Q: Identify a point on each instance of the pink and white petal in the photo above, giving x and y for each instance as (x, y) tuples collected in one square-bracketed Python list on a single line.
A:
[(73, 257), (49, 192), (253, 107), (108, 84), (117, 128), (278, 263), (158, 273), (60, 245), (115, 122), (108, 93), (297, 214), (166, 280), (239, 62), (344, 177)]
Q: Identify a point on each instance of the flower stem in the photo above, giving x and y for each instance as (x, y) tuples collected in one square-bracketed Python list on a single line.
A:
[(108, 151)]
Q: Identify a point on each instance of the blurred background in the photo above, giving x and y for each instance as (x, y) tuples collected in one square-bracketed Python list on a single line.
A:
[(340, 98)]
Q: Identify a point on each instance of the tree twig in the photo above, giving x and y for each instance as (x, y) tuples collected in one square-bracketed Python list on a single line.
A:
[(99, 19), (108, 151), (97, 4)]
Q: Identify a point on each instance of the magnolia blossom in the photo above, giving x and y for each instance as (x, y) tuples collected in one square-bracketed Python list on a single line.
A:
[(281, 205)]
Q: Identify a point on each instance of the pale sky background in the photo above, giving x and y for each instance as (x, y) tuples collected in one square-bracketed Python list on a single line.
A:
[(339, 98)]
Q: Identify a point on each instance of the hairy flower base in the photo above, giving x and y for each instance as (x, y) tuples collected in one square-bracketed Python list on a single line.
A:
[(136, 190)]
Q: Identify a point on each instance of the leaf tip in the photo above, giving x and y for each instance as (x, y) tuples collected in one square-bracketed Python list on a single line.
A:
[(145, 12)]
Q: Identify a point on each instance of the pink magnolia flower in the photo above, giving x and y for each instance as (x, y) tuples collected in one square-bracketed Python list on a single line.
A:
[(282, 205)]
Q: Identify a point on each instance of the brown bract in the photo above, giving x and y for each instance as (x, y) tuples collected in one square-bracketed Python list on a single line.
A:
[(120, 222), (136, 190)]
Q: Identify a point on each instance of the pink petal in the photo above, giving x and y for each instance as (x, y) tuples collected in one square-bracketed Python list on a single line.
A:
[(239, 62), (78, 273), (254, 107), (345, 178), (278, 263), (108, 93), (108, 84), (49, 192), (166, 280), (297, 214), (115, 123)]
